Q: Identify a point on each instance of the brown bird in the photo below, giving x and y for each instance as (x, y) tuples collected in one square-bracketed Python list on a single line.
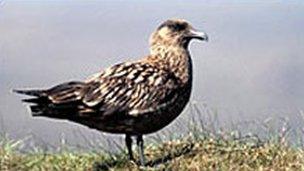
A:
[(131, 98)]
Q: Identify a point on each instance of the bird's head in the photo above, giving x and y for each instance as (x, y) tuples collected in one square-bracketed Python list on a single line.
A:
[(175, 32)]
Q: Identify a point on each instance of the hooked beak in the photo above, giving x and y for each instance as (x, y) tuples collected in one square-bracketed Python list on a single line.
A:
[(199, 35)]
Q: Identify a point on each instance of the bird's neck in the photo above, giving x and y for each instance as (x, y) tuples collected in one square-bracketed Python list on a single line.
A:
[(176, 59)]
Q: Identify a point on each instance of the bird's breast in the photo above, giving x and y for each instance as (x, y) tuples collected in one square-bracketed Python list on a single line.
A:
[(180, 63)]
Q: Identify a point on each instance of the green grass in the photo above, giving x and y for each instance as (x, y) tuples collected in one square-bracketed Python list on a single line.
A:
[(195, 152), (205, 147)]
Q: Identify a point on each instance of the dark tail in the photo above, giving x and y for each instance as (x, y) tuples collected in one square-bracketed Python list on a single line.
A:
[(61, 101), (36, 93)]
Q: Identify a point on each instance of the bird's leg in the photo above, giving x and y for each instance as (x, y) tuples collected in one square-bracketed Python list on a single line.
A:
[(129, 146), (140, 145)]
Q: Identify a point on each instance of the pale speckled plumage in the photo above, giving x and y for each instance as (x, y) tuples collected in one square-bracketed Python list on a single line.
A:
[(134, 98)]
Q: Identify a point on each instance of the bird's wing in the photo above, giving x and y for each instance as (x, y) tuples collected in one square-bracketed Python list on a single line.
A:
[(61, 94), (130, 87)]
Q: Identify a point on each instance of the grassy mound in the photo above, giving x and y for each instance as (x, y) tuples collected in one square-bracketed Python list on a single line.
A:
[(191, 153)]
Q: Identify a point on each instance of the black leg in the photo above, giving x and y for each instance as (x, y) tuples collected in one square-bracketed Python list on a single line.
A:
[(129, 146), (140, 145)]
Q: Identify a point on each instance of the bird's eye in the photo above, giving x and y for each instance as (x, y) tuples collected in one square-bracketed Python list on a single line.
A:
[(177, 27)]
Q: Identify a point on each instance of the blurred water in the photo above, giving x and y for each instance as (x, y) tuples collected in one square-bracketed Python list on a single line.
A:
[(251, 69)]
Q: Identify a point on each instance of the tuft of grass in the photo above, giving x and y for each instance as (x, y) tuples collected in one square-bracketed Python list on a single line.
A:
[(189, 153), (206, 146)]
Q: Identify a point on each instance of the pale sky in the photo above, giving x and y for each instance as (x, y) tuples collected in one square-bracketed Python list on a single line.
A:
[(252, 67)]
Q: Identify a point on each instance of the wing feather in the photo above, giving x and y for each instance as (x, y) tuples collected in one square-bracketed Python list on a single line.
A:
[(130, 86), (66, 92)]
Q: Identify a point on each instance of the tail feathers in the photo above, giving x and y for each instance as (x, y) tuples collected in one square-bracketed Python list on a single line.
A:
[(62, 101), (43, 110), (36, 93), (36, 100), (37, 110), (55, 112)]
